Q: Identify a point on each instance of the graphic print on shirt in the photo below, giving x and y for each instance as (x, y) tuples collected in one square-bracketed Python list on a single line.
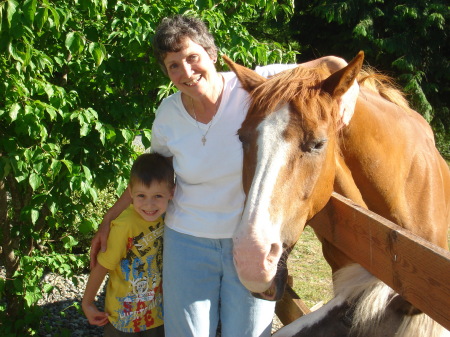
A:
[(141, 269)]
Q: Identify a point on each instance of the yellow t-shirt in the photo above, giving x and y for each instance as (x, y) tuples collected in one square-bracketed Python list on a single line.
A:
[(134, 260)]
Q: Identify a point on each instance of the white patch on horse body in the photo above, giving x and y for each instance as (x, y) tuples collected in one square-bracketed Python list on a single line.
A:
[(309, 319), (271, 156)]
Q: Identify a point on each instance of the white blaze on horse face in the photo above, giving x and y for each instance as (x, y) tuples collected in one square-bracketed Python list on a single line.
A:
[(257, 243), (271, 157)]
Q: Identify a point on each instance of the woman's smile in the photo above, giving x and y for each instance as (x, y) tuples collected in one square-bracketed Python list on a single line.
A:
[(194, 81)]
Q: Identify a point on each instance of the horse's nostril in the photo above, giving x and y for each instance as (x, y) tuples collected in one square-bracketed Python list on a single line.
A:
[(275, 249)]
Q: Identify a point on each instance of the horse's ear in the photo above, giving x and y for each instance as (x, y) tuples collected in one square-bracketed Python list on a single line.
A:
[(249, 79), (339, 82)]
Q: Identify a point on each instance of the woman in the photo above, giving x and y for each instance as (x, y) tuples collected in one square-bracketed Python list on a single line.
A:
[(197, 127)]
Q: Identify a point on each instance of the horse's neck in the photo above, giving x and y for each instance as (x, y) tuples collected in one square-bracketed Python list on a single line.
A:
[(389, 163), (366, 147), (386, 117), (344, 183), (381, 133)]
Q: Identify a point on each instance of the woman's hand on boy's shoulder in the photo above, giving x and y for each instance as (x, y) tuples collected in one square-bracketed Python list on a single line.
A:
[(99, 241)]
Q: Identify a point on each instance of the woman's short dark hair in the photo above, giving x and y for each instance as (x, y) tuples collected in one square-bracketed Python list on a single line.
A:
[(152, 167), (171, 34)]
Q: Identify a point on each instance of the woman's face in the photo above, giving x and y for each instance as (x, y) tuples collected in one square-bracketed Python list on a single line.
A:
[(191, 69)]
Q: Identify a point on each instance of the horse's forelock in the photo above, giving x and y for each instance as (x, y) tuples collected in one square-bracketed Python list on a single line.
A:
[(286, 86)]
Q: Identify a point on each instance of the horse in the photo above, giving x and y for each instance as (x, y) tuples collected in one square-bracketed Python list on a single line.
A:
[(296, 153)]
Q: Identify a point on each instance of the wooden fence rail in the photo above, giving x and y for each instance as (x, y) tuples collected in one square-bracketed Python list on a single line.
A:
[(415, 268)]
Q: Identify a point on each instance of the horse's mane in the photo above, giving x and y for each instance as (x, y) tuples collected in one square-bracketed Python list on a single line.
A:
[(384, 85), (306, 83), (370, 296)]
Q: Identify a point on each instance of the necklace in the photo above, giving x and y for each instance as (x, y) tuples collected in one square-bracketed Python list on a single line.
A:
[(216, 108), (198, 126)]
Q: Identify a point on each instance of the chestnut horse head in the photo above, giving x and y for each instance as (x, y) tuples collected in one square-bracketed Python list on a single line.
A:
[(289, 144)]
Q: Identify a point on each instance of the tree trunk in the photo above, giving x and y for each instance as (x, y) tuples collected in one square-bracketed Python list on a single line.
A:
[(8, 258)]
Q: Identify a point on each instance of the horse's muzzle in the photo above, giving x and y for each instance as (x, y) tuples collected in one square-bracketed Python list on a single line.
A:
[(276, 289)]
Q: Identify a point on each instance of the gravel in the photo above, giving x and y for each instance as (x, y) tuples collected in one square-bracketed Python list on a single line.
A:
[(62, 308)]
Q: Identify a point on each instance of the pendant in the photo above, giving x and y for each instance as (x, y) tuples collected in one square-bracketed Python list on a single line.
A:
[(203, 140)]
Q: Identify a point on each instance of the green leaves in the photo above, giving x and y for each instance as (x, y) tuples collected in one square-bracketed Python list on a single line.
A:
[(127, 135), (14, 111), (29, 11), (98, 52), (87, 226), (41, 17), (363, 28), (11, 11), (35, 181), (74, 43), (203, 4), (20, 52), (69, 242)]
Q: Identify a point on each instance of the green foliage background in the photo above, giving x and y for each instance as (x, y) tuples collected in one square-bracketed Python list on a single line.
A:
[(407, 39), (79, 83)]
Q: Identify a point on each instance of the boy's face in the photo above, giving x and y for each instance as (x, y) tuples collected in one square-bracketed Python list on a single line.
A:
[(150, 202)]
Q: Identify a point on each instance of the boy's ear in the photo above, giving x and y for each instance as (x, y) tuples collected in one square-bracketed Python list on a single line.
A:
[(129, 191)]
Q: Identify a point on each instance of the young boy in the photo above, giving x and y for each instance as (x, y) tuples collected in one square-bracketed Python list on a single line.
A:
[(134, 256)]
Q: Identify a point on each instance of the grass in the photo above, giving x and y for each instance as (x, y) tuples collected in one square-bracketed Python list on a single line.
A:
[(310, 271)]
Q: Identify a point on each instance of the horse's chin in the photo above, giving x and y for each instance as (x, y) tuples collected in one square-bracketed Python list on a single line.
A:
[(271, 294), (276, 289)]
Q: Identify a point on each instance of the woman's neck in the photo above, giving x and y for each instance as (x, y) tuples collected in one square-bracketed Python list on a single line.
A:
[(205, 107)]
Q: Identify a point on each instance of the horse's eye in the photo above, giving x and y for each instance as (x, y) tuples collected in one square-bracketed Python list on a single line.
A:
[(241, 137), (314, 145)]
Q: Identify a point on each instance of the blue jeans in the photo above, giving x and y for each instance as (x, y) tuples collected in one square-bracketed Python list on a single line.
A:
[(201, 287)]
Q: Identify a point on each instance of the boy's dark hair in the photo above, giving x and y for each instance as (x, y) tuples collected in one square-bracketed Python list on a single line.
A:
[(150, 167)]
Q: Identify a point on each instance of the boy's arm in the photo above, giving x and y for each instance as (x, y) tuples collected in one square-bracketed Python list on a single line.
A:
[(101, 237), (96, 277)]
